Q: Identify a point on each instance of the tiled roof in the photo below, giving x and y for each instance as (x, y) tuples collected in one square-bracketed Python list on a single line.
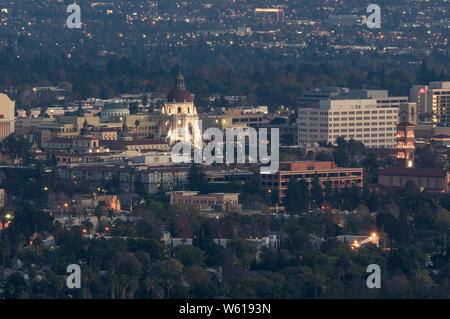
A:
[(422, 172)]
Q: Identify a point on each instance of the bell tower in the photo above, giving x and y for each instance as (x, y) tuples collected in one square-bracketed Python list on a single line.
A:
[(405, 145), (181, 121)]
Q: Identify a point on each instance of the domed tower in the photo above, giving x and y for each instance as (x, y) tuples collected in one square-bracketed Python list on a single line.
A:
[(180, 116)]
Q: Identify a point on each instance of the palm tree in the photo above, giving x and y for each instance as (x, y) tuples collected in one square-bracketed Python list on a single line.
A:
[(112, 280), (123, 283), (149, 284), (132, 286), (99, 214)]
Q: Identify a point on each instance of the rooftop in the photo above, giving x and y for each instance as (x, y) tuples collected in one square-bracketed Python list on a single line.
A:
[(419, 172)]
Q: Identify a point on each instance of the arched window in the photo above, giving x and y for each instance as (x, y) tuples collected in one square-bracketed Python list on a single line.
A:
[(179, 110)]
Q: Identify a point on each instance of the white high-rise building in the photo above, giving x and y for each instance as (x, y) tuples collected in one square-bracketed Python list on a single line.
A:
[(433, 99), (370, 121)]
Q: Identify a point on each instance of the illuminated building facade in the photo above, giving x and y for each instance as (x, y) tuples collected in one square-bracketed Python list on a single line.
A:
[(181, 122), (405, 145), (433, 99)]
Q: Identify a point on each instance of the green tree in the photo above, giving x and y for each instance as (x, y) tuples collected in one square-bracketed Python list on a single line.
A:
[(134, 107), (316, 192), (190, 255), (297, 199), (196, 179)]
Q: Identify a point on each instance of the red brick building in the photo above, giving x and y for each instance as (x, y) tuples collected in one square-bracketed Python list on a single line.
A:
[(330, 175)]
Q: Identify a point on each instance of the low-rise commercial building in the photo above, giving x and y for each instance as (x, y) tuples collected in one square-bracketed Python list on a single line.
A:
[(216, 201)]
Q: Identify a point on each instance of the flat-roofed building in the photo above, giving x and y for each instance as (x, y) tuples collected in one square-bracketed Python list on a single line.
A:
[(91, 201), (253, 117), (408, 113), (206, 201), (329, 174), (7, 107), (366, 120), (79, 144), (105, 133), (138, 145), (433, 99), (151, 178), (218, 174)]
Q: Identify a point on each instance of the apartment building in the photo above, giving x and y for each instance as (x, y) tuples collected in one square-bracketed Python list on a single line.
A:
[(79, 144), (370, 121), (151, 179), (329, 174)]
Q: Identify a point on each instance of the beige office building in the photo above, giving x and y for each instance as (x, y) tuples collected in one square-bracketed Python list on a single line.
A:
[(408, 113), (364, 120), (6, 116)]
